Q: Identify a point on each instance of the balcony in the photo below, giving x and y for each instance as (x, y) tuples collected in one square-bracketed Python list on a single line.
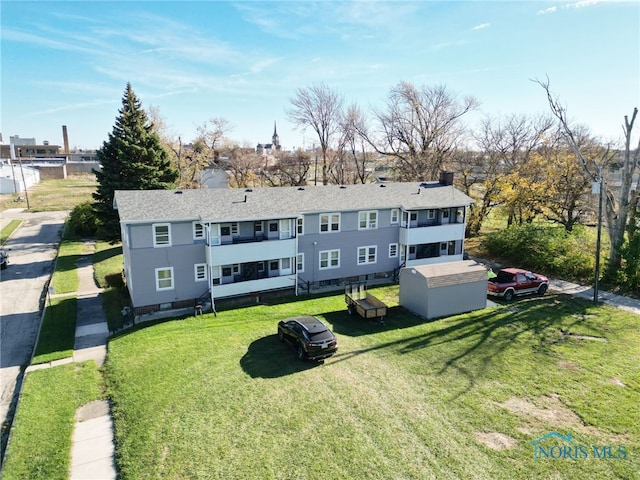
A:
[(432, 234), (243, 288), (250, 252)]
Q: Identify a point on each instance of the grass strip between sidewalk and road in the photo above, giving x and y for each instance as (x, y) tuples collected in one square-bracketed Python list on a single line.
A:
[(8, 230), (58, 330), (41, 439)]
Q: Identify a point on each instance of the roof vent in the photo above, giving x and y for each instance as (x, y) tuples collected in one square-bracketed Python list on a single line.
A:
[(300, 188), (248, 190), (342, 186), (178, 192), (382, 185)]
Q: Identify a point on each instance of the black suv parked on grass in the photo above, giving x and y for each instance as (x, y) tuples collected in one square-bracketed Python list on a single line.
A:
[(309, 337)]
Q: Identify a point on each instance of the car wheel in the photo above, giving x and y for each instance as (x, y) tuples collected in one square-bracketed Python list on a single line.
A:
[(280, 335), (542, 289), (301, 352), (508, 295)]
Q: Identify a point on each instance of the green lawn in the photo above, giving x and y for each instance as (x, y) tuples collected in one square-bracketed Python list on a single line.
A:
[(40, 445), (8, 230), (462, 397), (58, 330)]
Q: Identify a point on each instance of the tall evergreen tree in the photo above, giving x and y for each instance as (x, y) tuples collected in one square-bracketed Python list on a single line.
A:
[(133, 158)]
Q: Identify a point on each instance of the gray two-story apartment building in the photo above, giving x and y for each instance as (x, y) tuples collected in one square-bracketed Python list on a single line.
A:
[(183, 245)]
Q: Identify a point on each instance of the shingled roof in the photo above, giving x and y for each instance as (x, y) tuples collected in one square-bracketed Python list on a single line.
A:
[(234, 204)]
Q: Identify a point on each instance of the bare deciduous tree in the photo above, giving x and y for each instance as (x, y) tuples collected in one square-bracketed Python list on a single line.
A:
[(503, 145), (291, 169), (352, 145), (317, 107), (421, 128), (594, 163)]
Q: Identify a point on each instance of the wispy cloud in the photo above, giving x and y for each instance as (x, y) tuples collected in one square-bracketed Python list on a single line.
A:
[(570, 6), (482, 26)]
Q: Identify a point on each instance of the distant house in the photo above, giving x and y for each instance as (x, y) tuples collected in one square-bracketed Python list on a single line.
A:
[(444, 289), (180, 245)]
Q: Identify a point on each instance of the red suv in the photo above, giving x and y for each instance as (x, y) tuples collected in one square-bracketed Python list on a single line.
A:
[(510, 282)]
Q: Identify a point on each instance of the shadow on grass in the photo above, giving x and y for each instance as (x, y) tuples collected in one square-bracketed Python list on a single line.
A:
[(267, 357), (57, 333), (354, 325), (471, 344)]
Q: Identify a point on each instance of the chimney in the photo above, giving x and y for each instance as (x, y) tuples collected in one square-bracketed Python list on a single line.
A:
[(65, 139), (446, 178)]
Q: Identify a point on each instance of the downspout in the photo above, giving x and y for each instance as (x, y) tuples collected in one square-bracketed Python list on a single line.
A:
[(210, 267)]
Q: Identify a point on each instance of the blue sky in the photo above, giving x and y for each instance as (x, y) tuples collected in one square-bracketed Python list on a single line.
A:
[(67, 63)]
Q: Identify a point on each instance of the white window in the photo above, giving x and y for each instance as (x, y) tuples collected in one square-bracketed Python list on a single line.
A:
[(393, 250), (431, 214), (164, 278), (367, 255), (395, 216), (285, 229), (329, 222), (161, 235), (329, 259), (235, 229), (300, 263), (200, 272), (216, 274), (367, 220), (285, 266), (300, 224), (198, 230)]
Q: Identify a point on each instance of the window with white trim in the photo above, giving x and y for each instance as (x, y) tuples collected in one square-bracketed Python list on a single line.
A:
[(395, 216), (164, 278), (198, 230), (235, 229), (300, 225), (216, 274), (161, 235), (368, 220), (329, 222), (200, 272), (367, 255), (393, 250), (329, 259), (300, 263), (431, 214)]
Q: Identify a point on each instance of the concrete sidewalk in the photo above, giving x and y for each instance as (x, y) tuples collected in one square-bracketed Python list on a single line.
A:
[(625, 303), (92, 451)]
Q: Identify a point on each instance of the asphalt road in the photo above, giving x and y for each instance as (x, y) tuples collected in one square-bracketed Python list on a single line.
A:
[(32, 251)]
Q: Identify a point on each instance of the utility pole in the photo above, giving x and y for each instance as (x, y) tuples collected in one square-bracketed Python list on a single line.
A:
[(598, 187)]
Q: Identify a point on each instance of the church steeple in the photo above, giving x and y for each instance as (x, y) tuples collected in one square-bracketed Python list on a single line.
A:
[(275, 140)]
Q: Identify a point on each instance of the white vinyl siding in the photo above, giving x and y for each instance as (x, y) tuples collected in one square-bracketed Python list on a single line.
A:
[(164, 278)]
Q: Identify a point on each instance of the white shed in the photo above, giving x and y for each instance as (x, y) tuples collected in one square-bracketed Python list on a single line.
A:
[(444, 289)]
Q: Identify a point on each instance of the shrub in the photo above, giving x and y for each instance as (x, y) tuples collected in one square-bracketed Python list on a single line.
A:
[(550, 250), (82, 220)]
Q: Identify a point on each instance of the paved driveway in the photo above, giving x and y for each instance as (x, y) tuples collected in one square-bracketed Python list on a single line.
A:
[(32, 250)]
